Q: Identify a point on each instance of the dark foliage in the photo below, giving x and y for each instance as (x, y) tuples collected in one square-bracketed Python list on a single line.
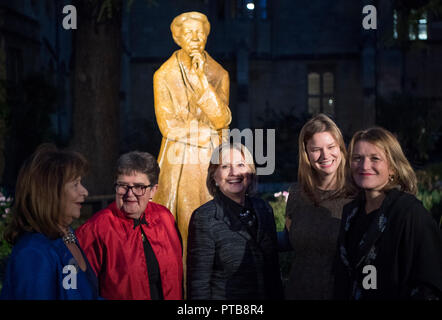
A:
[(416, 122), (287, 126)]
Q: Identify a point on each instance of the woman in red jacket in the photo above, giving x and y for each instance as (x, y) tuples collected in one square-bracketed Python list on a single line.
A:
[(133, 245)]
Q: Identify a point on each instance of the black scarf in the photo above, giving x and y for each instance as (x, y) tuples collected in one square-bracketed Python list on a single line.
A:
[(366, 250), (245, 213)]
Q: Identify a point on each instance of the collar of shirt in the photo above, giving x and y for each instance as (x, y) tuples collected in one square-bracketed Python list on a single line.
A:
[(140, 221), (245, 213)]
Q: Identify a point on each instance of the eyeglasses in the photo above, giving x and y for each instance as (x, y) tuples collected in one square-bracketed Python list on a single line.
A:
[(138, 190)]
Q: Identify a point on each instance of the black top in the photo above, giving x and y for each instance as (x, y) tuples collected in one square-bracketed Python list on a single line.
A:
[(402, 242), (245, 213), (313, 235), (224, 261), (358, 228), (153, 269)]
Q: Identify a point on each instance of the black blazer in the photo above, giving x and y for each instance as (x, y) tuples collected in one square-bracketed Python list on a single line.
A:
[(225, 262), (403, 244)]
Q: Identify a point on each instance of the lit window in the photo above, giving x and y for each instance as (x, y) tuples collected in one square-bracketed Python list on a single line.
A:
[(328, 82), (263, 9), (313, 83), (250, 6), (321, 92), (422, 27), (417, 26), (395, 34)]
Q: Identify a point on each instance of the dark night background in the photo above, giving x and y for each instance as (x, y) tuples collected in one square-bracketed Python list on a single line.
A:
[(91, 88)]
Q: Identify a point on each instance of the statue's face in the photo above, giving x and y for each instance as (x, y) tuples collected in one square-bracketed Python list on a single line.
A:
[(192, 37)]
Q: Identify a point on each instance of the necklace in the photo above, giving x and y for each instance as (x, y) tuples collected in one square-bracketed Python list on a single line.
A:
[(69, 237)]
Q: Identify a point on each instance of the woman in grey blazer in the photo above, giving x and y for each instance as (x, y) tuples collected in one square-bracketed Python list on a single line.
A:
[(232, 245)]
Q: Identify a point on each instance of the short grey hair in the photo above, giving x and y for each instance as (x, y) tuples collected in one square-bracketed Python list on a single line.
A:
[(176, 24), (138, 162), (215, 162)]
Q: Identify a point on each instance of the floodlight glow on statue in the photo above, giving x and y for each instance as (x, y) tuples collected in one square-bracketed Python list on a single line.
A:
[(191, 93)]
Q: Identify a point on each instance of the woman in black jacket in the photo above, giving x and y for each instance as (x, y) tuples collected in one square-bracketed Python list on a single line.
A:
[(232, 247), (389, 246)]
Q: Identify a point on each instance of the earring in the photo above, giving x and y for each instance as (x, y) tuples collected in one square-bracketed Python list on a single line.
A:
[(391, 178)]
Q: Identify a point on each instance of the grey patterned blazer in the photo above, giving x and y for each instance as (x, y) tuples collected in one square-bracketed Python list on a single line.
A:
[(224, 261)]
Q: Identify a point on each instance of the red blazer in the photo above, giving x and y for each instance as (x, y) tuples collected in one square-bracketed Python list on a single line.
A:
[(115, 251)]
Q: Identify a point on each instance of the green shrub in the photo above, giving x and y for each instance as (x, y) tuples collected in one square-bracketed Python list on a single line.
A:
[(419, 127), (430, 190), (278, 206), (5, 214), (278, 202)]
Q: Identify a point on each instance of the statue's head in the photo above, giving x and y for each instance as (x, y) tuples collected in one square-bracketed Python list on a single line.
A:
[(190, 31)]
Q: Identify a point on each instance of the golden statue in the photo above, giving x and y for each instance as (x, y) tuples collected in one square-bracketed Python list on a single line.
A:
[(191, 93)]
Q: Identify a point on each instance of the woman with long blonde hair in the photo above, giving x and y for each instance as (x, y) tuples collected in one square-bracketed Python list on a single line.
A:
[(389, 245), (314, 209)]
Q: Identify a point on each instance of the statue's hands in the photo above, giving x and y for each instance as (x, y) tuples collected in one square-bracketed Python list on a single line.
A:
[(198, 65)]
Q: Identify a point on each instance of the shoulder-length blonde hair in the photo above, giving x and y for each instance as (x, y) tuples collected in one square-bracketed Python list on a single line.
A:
[(404, 175), (39, 191), (216, 161), (307, 176)]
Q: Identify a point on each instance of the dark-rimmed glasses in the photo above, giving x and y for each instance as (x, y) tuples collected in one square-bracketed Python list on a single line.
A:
[(138, 189)]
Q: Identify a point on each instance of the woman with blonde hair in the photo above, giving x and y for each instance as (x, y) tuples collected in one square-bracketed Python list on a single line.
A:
[(389, 245), (314, 209), (46, 261), (232, 249)]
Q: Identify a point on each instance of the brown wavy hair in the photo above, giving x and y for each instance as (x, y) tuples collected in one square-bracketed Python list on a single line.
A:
[(404, 176), (136, 161), (307, 176), (39, 188)]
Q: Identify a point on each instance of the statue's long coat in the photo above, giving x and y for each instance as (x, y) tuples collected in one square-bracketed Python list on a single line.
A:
[(191, 126)]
